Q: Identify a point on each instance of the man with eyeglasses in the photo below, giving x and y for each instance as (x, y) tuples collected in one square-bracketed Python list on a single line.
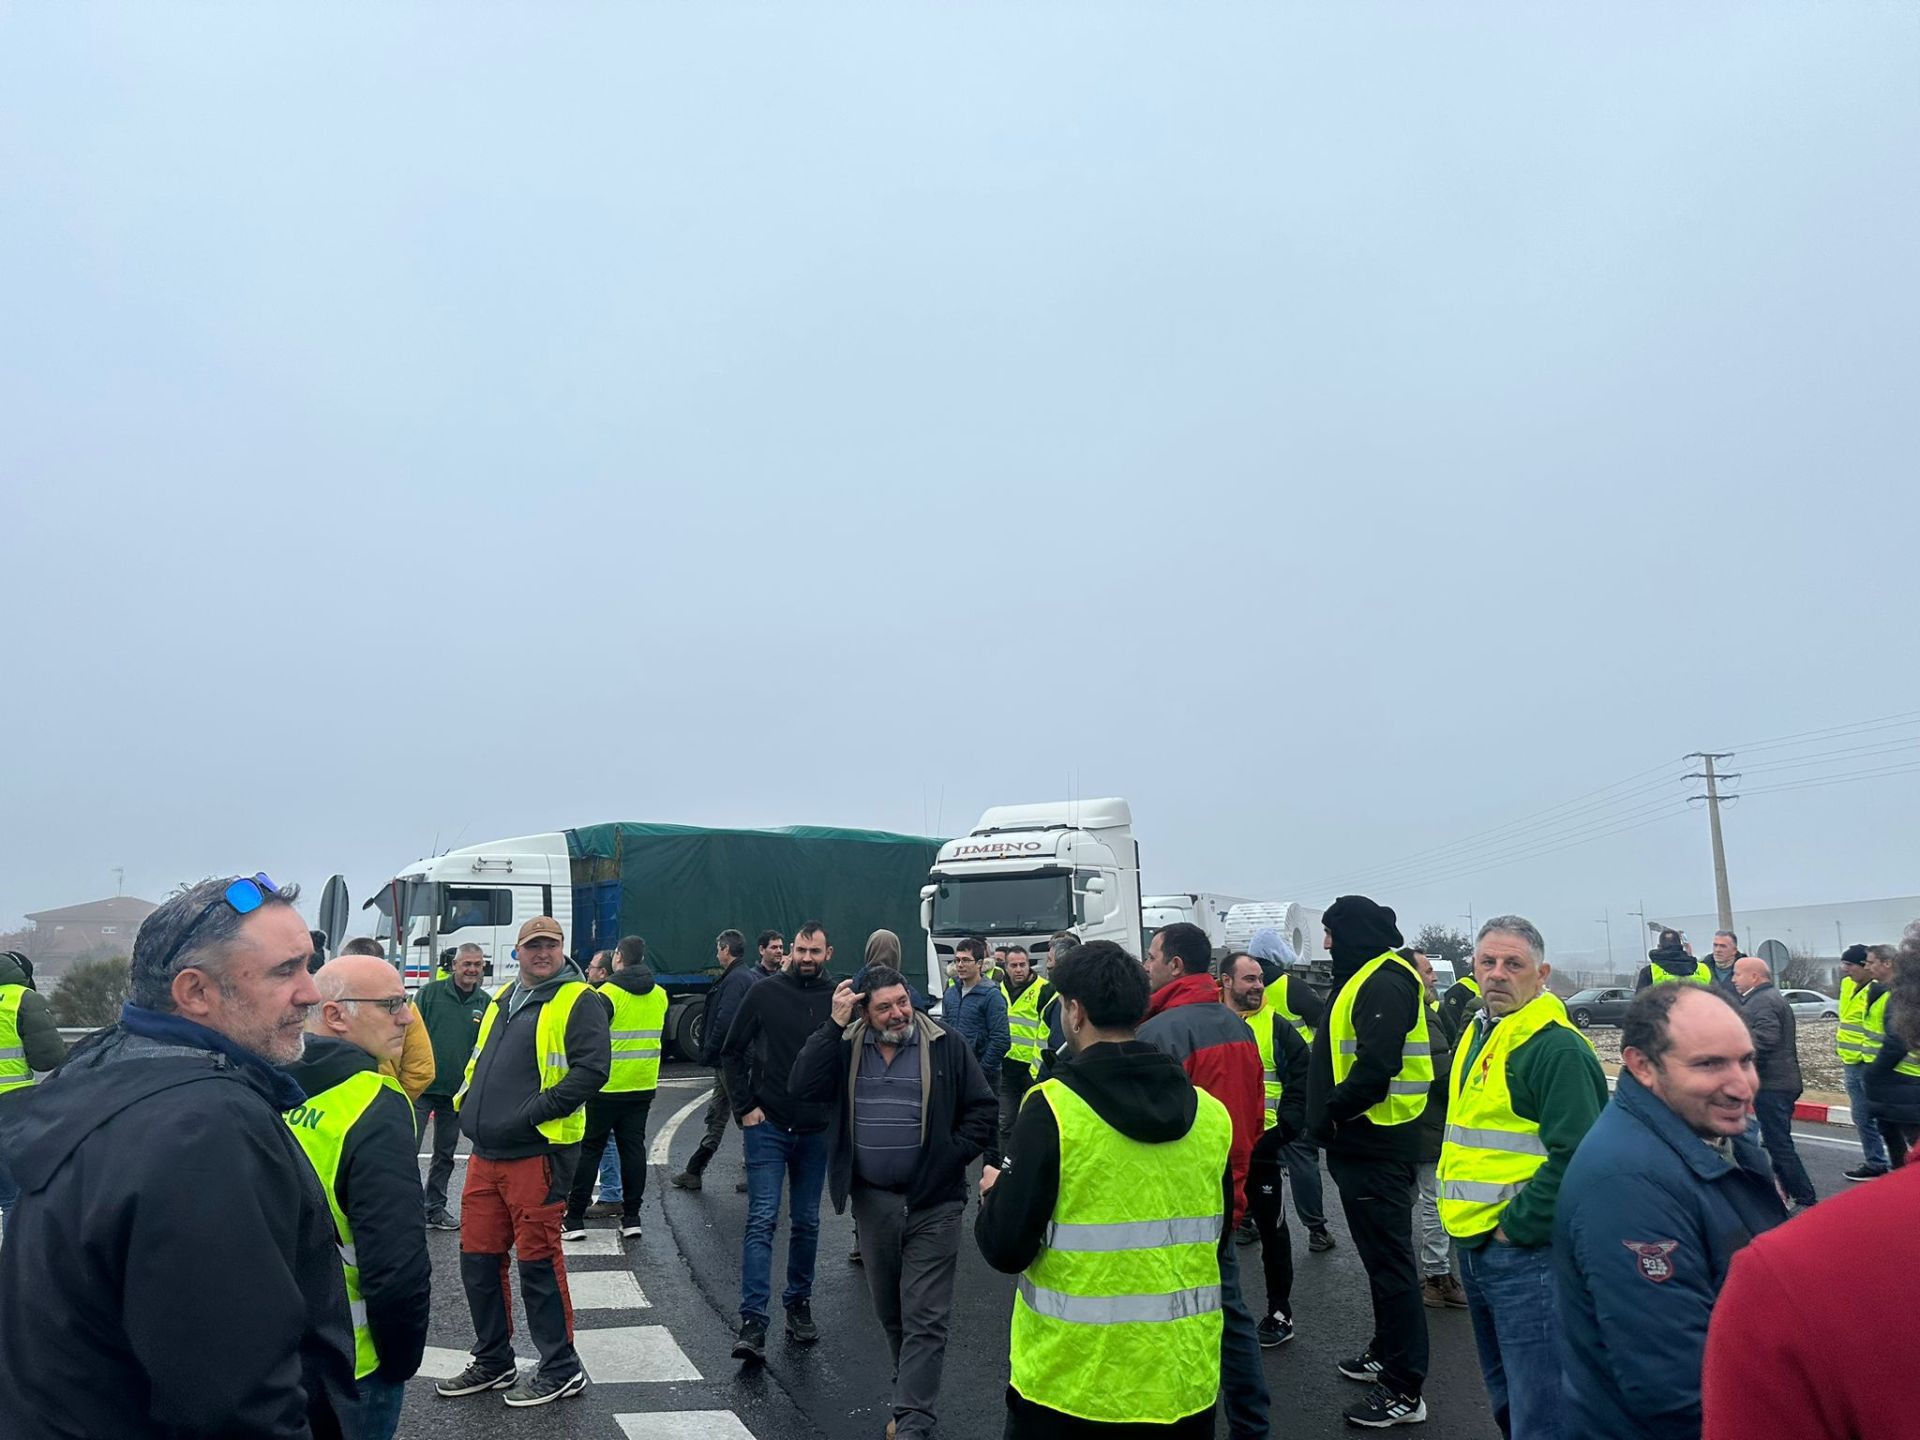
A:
[(449, 1012), (540, 1054), (166, 1210), (414, 1067), (356, 1128)]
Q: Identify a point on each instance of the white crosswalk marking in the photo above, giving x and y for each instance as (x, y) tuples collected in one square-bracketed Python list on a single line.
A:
[(439, 1363), (632, 1354), (598, 1242), (684, 1425), (605, 1290)]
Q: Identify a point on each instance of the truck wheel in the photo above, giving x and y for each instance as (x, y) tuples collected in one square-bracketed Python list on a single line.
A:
[(692, 1030)]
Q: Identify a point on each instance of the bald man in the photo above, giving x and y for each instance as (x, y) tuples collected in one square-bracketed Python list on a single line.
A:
[(356, 1127), (1776, 1059)]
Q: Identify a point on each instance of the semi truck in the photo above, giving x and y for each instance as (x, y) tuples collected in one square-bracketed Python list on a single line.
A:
[(677, 886), (1207, 911), (1025, 872)]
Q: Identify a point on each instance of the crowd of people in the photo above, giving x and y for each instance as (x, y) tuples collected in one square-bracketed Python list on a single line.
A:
[(1128, 1124)]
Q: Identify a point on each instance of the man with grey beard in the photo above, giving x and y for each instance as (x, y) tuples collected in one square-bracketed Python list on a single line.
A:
[(166, 1206), (911, 1109)]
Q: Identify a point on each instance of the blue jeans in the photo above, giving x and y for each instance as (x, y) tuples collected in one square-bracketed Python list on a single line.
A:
[(1873, 1147), (379, 1407), (611, 1192), (1514, 1304), (1243, 1373), (775, 1154)]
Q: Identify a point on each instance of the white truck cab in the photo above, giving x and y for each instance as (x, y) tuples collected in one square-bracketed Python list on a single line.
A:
[(481, 895), (1208, 911), (1027, 871)]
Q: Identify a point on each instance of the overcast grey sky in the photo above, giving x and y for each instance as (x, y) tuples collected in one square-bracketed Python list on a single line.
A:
[(1338, 429)]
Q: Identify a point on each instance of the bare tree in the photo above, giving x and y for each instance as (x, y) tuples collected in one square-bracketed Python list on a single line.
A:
[(1800, 971)]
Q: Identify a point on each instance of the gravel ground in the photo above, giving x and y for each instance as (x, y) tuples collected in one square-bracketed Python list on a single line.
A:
[(1819, 1066)]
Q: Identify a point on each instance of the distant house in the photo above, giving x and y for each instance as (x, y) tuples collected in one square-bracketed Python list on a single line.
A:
[(57, 940)]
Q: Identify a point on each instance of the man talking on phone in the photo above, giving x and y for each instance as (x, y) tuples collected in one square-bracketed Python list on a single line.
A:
[(910, 1109)]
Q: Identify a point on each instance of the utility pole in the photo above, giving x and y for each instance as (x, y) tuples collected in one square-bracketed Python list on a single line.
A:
[(1712, 797), (119, 879), (1608, 922)]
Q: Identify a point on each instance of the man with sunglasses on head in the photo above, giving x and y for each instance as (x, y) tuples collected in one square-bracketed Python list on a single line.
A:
[(356, 1128), (540, 1054), (166, 1210)]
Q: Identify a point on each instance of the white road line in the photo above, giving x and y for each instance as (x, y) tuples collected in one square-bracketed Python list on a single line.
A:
[(439, 1363), (605, 1290), (664, 1140), (684, 1425), (632, 1354), (1823, 1140), (598, 1242)]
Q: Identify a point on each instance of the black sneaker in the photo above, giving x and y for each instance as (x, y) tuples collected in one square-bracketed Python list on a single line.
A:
[(1319, 1240), (538, 1389), (752, 1344), (475, 1378), (800, 1327), (573, 1228), (441, 1220), (1383, 1408), (1362, 1367), (603, 1209), (687, 1180), (1244, 1233), (1862, 1172), (630, 1228), (740, 1186), (854, 1257), (1274, 1331)]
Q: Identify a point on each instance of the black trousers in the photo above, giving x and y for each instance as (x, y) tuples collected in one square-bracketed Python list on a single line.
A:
[(623, 1115), (1900, 1139), (1015, 1081), (1376, 1196), (1266, 1202), (446, 1135)]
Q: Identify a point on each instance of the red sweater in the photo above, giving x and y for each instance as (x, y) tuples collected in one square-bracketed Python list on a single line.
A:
[(1804, 1313), (1186, 1020)]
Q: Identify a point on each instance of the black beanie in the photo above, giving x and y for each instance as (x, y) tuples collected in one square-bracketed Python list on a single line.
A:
[(1854, 955)]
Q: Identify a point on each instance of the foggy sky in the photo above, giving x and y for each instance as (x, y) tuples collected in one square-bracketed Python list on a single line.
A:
[(1339, 430)]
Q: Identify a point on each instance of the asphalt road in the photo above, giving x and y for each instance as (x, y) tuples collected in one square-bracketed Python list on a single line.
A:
[(655, 1325)]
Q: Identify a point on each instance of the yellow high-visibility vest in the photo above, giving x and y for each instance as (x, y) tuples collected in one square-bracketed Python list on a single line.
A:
[(14, 1070), (321, 1126), (1262, 1022), (1407, 1091), (1117, 1320), (1874, 1021), (550, 1045), (1702, 974), (637, 1023), (1490, 1152), (1276, 999), (1850, 1037), (1028, 1030)]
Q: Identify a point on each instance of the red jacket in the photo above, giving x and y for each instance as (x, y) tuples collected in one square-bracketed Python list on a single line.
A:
[(1790, 1348), (1186, 1020)]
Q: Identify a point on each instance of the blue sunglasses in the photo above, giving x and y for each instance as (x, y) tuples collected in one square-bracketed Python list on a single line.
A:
[(242, 896)]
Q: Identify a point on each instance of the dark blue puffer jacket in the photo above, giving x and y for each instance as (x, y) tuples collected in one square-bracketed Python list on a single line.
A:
[(1649, 1218), (981, 1017)]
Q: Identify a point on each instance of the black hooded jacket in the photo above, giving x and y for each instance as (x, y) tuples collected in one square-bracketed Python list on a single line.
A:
[(1385, 1010), (171, 1269), (1674, 960), (1141, 1091), (505, 1103), (378, 1186)]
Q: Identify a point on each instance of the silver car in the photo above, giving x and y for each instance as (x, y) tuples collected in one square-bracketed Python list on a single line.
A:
[(1812, 1005)]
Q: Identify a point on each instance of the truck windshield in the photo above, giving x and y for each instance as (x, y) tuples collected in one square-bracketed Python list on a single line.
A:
[(1003, 905)]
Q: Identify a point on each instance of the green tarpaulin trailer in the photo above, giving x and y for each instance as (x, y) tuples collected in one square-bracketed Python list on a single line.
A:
[(681, 885)]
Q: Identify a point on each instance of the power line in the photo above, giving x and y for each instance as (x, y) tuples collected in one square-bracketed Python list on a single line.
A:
[(1829, 757), (1475, 868), (1816, 782), (1834, 732)]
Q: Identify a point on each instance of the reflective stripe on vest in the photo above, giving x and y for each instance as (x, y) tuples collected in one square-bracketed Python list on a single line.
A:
[(1407, 1091), (637, 1022), (14, 1070), (1489, 1152), (1702, 975), (1117, 1320), (1874, 1021), (321, 1126), (550, 1044), (1281, 1006), (1850, 1036), (1028, 1030), (1262, 1022)]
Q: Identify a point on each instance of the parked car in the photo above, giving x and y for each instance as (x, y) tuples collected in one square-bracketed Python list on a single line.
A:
[(1812, 1005), (1597, 1007)]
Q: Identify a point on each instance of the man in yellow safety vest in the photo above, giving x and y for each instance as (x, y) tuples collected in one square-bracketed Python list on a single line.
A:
[(1893, 1071), (1114, 1208), (356, 1129), (1027, 995), (29, 1041), (1670, 962), (1524, 1090), (1850, 1043), (541, 1054), (639, 1014)]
